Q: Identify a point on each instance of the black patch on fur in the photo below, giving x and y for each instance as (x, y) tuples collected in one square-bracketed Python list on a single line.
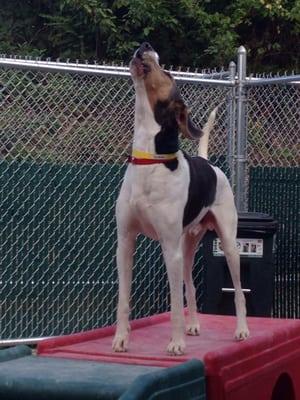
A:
[(172, 164), (166, 140), (202, 187)]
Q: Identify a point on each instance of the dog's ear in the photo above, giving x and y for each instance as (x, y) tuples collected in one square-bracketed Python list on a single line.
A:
[(185, 124)]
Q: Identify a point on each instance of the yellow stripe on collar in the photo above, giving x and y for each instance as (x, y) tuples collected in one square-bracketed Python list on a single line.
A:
[(152, 156)]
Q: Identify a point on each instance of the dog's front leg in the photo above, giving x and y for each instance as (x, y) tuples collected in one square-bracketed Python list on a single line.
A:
[(190, 244), (125, 252), (174, 262)]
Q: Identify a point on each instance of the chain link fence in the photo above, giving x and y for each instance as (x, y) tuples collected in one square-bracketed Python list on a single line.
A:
[(273, 125), (273, 176), (65, 133)]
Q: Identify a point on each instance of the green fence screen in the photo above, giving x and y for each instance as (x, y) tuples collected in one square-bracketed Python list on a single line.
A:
[(276, 191), (57, 237)]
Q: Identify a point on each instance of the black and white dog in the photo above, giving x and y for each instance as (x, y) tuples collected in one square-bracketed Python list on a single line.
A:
[(171, 197)]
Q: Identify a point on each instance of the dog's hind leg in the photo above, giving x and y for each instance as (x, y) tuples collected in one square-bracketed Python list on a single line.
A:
[(226, 228), (190, 245)]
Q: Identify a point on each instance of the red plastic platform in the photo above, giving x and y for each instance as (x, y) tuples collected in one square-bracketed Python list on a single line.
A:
[(264, 367)]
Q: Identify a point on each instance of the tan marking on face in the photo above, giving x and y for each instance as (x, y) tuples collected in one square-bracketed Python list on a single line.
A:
[(158, 84)]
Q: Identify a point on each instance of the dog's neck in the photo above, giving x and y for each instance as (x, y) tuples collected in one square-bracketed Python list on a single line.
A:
[(145, 126), (149, 136)]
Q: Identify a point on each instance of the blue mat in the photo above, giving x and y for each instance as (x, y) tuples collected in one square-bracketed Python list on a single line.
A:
[(27, 377)]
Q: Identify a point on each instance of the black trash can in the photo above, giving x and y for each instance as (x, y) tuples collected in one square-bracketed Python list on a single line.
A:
[(255, 239)]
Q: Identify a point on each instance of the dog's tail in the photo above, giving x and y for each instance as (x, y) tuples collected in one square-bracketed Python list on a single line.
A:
[(203, 143)]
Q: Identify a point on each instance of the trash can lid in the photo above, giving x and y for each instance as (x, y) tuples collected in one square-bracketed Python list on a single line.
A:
[(257, 221)]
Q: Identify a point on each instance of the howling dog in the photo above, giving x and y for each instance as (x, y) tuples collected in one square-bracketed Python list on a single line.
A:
[(171, 197)]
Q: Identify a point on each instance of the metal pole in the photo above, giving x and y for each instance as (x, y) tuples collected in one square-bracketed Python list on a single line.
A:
[(241, 131), (231, 124)]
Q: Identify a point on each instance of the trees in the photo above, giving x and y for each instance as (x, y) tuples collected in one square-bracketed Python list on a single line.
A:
[(196, 33)]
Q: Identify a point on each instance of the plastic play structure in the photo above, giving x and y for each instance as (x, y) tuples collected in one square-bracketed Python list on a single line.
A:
[(215, 367)]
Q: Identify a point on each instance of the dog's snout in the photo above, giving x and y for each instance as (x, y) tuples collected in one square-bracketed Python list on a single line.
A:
[(144, 47), (143, 61), (147, 46)]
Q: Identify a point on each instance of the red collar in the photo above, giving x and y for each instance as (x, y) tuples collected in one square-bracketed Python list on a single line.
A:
[(147, 161)]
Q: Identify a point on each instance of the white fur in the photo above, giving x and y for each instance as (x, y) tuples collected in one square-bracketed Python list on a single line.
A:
[(152, 201), (203, 142)]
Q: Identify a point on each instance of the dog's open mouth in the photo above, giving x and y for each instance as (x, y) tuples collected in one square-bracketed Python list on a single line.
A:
[(140, 66)]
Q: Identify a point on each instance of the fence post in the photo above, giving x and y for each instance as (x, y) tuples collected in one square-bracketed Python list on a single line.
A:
[(241, 132), (231, 124)]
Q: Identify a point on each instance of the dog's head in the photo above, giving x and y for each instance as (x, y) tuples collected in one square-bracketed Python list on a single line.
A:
[(163, 95)]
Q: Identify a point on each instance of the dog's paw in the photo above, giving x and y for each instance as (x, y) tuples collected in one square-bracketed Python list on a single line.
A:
[(176, 348), (242, 333), (120, 343), (193, 329)]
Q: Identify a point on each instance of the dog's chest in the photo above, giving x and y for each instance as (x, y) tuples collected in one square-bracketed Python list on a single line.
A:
[(150, 186), (157, 191)]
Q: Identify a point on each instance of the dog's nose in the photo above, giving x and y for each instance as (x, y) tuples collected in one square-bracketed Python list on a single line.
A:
[(146, 47)]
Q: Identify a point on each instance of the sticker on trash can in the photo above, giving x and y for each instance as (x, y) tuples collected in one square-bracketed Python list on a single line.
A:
[(247, 247)]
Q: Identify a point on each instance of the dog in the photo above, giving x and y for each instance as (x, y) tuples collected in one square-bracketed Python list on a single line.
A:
[(171, 197)]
